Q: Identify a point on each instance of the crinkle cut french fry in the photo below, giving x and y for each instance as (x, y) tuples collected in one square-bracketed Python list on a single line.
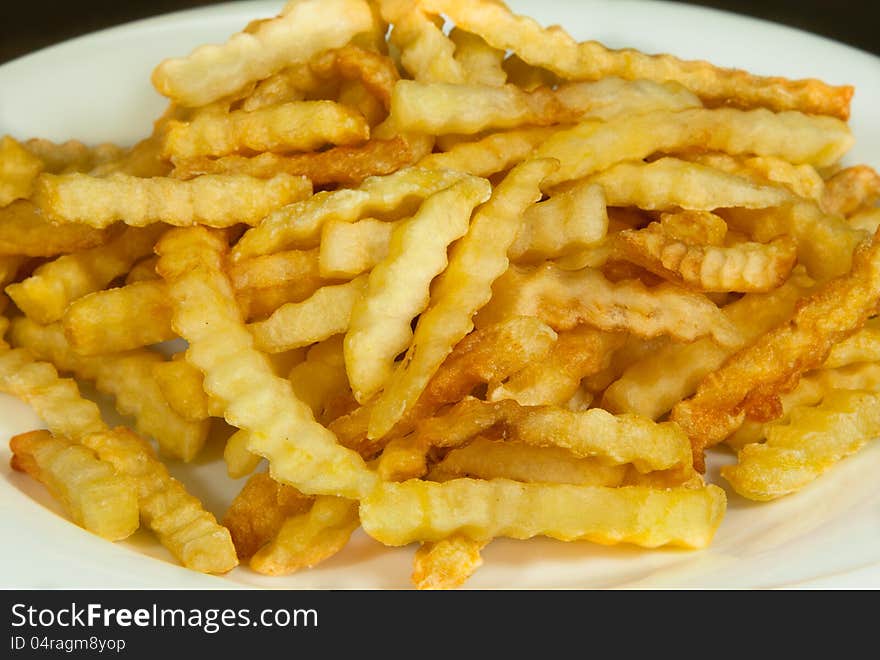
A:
[(480, 63), (863, 346), (26, 231), (71, 156), (591, 147), (615, 440), (296, 126), (213, 199), (343, 165), (426, 53), (376, 72), (128, 377), (9, 267), (309, 538), (555, 49), (491, 459), (324, 314), (565, 299), (476, 261), (301, 452), (53, 286), (142, 271), (446, 564), (397, 514), (528, 77), (398, 287), (655, 383), (812, 442), (181, 385), (18, 171), (351, 248), (851, 189), (212, 72), (750, 381), (240, 461), (120, 319), (177, 518), (90, 491), (259, 510), (321, 376), (299, 225)]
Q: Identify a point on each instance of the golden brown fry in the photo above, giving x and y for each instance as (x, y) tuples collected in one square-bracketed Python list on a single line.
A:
[(446, 564), (144, 270), (850, 190), (480, 63), (26, 231), (18, 171), (554, 49), (181, 385), (71, 156), (292, 267), (749, 383), (863, 346), (9, 267), (88, 489), (259, 510), (376, 72), (566, 299), (213, 199), (528, 77)]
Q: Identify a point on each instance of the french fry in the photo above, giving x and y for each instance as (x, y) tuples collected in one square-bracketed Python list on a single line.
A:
[(297, 267), (566, 299), (212, 72), (749, 382), (308, 538), (89, 490), (426, 53), (18, 171), (554, 49), (555, 379), (850, 190), (398, 287), (461, 290), (566, 222), (480, 63), (45, 295), (376, 72), (144, 270), (446, 564), (591, 147), (376, 195), (326, 313), (321, 376), (526, 76), (213, 199), (293, 83), (259, 510), (26, 231), (863, 346), (814, 440), (397, 514), (745, 267), (128, 377), (182, 386), (9, 267), (71, 156), (615, 440), (490, 459), (655, 382), (119, 319), (301, 452), (868, 221), (351, 248), (240, 461)]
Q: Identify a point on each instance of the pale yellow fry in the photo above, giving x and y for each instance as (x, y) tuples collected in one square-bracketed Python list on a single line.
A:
[(26, 231), (142, 271), (309, 538), (45, 295), (868, 221), (71, 156), (292, 83), (128, 377), (217, 200), (321, 376), (426, 52), (296, 126), (177, 518), (351, 248), (863, 346), (18, 170), (556, 377), (591, 147), (490, 155), (120, 319), (670, 183), (614, 440), (851, 189), (480, 63), (476, 261), (490, 459), (299, 225), (659, 380), (181, 385), (324, 314), (211, 72), (812, 442), (446, 564), (88, 489), (301, 452), (398, 287), (397, 514), (566, 222), (556, 50), (565, 299), (744, 267)]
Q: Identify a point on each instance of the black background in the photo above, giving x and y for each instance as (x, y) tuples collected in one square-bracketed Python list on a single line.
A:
[(27, 25)]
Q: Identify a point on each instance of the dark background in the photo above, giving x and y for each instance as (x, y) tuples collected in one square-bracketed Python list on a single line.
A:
[(26, 26)]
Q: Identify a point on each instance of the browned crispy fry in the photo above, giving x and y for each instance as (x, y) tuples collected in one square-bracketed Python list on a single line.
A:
[(376, 72), (18, 171), (850, 190), (749, 382)]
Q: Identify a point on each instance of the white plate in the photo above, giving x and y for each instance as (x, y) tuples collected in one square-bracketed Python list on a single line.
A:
[(97, 88)]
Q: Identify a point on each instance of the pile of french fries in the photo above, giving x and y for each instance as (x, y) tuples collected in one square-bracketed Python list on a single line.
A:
[(447, 286)]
